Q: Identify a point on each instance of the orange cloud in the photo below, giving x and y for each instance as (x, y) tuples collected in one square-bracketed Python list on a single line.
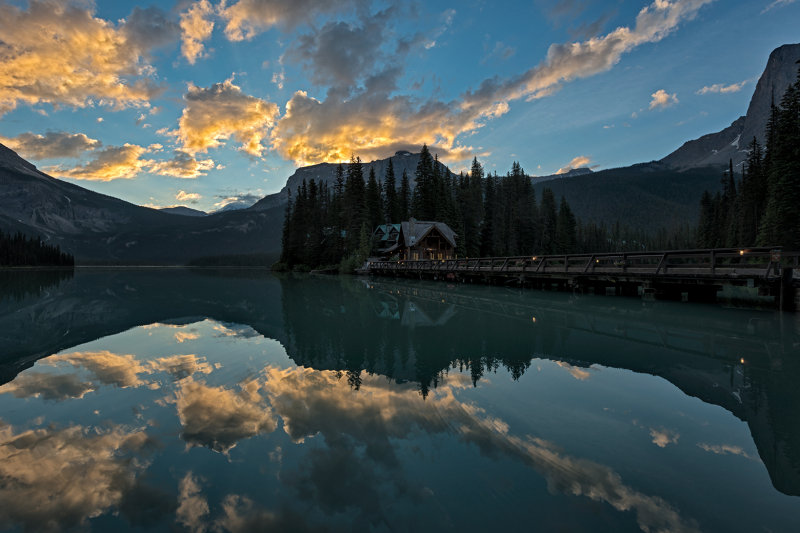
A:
[(60, 53), (196, 28), (182, 165), (50, 145), (247, 18), (373, 122), (577, 162), (217, 113), (111, 163)]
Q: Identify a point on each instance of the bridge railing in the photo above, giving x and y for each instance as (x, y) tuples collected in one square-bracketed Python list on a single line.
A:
[(763, 261)]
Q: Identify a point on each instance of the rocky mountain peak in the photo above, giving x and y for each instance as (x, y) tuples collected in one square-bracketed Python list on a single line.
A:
[(731, 143)]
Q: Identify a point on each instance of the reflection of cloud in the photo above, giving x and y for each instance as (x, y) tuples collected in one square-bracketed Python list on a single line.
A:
[(183, 336), (218, 418), (109, 368), (47, 386), (181, 366), (314, 402), (241, 515), (192, 506), (575, 371), (55, 479), (662, 437), (236, 330), (724, 449)]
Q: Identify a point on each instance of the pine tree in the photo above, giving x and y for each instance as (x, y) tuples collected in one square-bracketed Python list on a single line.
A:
[(566, 239), (373, 201), (424, 200), (354, 203), (392, 206), (548, 221), (404, 201)]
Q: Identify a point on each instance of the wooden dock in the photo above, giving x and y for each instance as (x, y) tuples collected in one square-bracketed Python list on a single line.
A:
[(694, 275)]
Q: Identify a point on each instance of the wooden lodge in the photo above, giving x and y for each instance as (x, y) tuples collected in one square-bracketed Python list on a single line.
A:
[(416, 240)]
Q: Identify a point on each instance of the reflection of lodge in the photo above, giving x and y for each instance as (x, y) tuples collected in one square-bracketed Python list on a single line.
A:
[(415, 240)]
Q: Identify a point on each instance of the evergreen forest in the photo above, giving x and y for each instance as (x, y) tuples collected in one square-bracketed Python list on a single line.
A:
[(496, 215), (763, 206), (21, 250)]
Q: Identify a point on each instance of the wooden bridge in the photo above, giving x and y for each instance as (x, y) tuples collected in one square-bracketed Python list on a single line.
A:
[(695, 275)]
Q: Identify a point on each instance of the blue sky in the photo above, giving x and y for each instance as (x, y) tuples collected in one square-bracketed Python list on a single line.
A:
[(202, 102)]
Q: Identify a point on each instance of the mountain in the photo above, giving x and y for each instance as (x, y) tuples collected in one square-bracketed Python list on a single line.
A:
[(647, 196), (183, 210), (97, 228), (234, 206), (715, 149), (326, 172)]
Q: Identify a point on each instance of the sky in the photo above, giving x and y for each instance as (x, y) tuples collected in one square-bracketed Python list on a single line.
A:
[(203, 103)]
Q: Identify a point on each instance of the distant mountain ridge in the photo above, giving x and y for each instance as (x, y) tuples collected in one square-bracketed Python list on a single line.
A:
[(716, 149)]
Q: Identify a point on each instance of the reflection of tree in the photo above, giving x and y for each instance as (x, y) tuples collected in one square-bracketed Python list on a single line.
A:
[(18, 285)]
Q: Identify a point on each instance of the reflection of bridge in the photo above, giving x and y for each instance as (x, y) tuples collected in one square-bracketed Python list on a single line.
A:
[(697, 274)]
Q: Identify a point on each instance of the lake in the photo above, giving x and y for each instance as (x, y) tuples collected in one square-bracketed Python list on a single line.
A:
[(240, 401)]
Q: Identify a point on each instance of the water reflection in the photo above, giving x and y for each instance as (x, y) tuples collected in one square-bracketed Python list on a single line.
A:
[(388, 391)]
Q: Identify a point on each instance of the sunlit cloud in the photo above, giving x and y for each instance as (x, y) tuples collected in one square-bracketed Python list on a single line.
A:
[(374, 122), (121, 370), (110, 163), (720, 88), (59, 53), (220, 112), (71, 474), (196, 27), (247, 18), (182, 165), (53, 144), (661, 99), (577, 162), (188, 197)]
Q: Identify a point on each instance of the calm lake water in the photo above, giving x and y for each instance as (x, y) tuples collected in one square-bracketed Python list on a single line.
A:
[(203, 401)]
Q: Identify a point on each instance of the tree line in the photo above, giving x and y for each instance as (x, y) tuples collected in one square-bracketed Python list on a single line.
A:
[(763, 206), (21, 250), (492, 216)]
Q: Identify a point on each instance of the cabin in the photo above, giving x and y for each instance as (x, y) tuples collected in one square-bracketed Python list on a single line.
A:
[(421, 239), (385, 239)]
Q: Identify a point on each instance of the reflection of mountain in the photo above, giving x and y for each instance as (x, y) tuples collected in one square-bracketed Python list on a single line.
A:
[(416, 332)]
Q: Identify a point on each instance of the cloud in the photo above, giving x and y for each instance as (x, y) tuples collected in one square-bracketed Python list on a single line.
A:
[(218, 418), (340, 53), (374, 122), (72, 474), (107, 367), (661, 99), (500, 52), (182, 165), (47, 386), (110, 163), (577, 162), (723, 89), (192, 506), (316, 404), (247, 18), (60, 53), (222, 111), (662, 437), (196, 27), (574, 371), (777, 4), (53, 144), (247, 199), (189, 197), (724, 449)]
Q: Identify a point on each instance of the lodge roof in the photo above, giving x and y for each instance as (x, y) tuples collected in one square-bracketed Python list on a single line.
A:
[(413, 231)]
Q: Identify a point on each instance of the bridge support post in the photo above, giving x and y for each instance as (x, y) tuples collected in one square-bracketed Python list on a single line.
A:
[(787, 296)]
